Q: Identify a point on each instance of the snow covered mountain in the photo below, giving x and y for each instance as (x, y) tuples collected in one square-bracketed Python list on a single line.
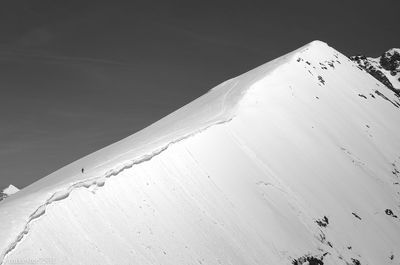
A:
[(385, 68), (10, 190), (294, 162)]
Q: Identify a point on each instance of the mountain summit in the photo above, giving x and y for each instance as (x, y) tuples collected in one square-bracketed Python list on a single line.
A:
[(294, 162)]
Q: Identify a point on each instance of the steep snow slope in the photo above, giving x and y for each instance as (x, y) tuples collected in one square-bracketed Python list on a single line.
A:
[(10, 190), (385, 68), (295, 161)]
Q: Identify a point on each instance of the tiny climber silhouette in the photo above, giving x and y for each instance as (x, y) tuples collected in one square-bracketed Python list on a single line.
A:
[(83, 170)]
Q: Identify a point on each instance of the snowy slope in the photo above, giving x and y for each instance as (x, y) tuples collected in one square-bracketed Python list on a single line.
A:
[(295, 161), (385, 68), (10, 190)]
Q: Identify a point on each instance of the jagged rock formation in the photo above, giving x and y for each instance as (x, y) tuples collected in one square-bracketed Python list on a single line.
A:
[(385, 68)]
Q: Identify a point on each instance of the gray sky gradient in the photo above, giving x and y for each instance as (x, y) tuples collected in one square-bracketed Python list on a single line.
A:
[(76, 76)]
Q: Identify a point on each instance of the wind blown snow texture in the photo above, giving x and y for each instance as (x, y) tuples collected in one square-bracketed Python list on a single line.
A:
[(295, 161)]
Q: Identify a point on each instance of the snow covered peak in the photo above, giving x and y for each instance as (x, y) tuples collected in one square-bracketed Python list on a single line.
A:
[(317, 43), (385, 68), (10, 190), (294, 162)]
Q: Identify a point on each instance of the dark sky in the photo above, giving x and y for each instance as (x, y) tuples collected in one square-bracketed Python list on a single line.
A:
[(77, 76)]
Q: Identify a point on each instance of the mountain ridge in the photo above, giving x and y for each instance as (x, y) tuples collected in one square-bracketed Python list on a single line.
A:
[(64, 189), (290, 103)]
